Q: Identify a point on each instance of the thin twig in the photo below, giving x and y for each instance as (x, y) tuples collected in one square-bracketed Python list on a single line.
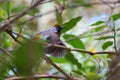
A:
[(32, 2), (71, 6), (115, 41), (6, 52), (58, 68), (116, 69), (84, 51), (111, 20), (106, 3), (114, 30), (73, 49), (37, 76), (94, 3), (10, 33), (5, 25)]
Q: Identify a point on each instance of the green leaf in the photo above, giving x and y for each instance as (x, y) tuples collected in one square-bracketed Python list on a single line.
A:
[(106, 37), (33, 11), (1, 19), (97, 23), (70, 24), (107, 44), (7, 43), (5, 62), (74, 41), (7, 40), (3, 69), (7, 6), (116, 16), (93, 76), (70, 57), (18, 8), (78, 72), (99, 28), (3, 14), (59, 17), (59, 60), (28, 56), (80, 2)]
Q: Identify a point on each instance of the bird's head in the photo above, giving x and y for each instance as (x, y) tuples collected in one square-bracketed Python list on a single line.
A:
[(57, 28)]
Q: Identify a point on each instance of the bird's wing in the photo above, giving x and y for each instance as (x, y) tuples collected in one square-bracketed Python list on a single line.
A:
[(41, 35)]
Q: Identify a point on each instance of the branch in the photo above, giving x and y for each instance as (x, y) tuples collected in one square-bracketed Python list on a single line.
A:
[(6, 52), (113, 73), (112, 8), (72, 6), (72, 49), (79, 50), (37, 76), (6, 24), (95, 3), (106, 3), (58, 68), (3, 27), (114, 38), (15, 39)]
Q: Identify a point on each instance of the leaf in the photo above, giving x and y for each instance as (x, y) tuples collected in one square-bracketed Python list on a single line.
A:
[(3, 14), (70, 24), (106, 37), (74, 41), (1, 19), (80, 2), (97, 23), (73, 60), (99, 28), (59, 60), (78, 72), (27, 57), (7, 41), (33, 11), (107, 44), (6, 6), (59, 17), (115, 16), (3, 70), (5, 62), (18, 8), (93, 76)]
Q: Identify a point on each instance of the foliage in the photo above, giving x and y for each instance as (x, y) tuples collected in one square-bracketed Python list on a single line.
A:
[(27, 58)]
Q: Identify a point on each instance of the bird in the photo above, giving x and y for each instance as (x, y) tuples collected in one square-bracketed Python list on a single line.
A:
[(52, 36)]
